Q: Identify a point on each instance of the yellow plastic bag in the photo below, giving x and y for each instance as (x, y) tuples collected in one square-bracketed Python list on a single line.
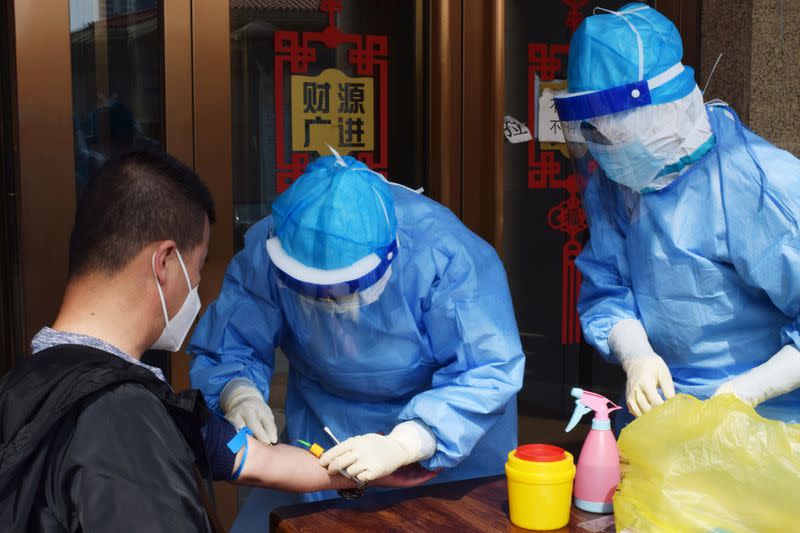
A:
[(708, 466)]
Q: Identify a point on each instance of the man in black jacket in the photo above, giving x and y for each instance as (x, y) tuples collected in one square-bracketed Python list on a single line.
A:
[(91, 438)]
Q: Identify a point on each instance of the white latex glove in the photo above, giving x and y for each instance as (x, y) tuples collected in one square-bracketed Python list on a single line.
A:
[(779, 375), (372, 456), (646, 370), (244, 405)]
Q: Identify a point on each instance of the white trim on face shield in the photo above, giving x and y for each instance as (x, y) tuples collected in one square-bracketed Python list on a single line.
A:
[(317, 276)]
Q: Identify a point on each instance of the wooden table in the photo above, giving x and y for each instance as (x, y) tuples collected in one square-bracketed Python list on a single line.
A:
[(477, 505)]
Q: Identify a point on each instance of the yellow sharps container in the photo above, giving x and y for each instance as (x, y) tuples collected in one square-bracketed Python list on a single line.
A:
[(540, 486)]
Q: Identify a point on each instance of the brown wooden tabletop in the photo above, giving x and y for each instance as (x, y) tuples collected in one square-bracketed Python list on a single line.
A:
[(477, 505)]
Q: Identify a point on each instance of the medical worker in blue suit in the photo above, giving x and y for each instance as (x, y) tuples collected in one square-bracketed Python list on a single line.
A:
[(395, 318), (691, 277)]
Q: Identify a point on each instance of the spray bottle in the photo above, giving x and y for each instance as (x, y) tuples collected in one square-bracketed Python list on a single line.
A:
[(597, 473)]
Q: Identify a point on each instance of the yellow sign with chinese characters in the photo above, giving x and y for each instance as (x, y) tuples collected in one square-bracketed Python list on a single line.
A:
[(332, 109)]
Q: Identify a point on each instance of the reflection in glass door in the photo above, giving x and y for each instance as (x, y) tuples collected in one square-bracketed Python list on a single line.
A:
[(372, 108), (308, 73), (544, 227), (117, 89), (117, 80)]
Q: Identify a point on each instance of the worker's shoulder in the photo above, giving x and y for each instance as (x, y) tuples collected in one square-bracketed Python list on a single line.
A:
[(259, 232), (746, 154), (416, 211), (430, 226)]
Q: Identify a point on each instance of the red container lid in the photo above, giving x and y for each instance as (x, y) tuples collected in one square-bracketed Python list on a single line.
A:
[(540, 453)]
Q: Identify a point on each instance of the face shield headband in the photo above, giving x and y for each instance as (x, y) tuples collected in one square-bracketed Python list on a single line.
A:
[(591, 104), (330, 284)]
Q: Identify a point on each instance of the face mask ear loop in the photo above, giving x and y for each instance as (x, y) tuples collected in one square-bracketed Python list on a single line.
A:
[(160, 292), (185, 272)]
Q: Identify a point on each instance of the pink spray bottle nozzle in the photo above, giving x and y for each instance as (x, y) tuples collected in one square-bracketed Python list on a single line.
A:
[(589, 401)]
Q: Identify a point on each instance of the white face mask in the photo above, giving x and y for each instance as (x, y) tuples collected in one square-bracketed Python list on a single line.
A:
[(176, 329)]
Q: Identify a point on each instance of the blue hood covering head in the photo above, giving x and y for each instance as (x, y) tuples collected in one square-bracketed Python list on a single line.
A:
[(605, 52), (335, 214)]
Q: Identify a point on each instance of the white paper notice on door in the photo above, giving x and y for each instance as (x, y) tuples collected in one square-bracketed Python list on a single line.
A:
[(548, 127), (515, 131)]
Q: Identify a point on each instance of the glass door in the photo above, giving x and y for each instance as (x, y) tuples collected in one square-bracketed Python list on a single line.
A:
[(544, 225), (117, 74), (246, 92), (307, 75)]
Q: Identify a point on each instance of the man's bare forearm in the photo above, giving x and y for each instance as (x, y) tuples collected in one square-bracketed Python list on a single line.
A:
[(294, 469), (286, 467)]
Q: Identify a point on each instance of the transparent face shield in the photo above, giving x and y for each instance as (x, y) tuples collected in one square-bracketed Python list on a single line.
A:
[(343, 292), (584, 164), (604, 129), (618, 152)]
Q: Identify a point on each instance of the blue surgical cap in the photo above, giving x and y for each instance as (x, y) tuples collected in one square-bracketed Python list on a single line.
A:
[(336, 213), (605, 53)]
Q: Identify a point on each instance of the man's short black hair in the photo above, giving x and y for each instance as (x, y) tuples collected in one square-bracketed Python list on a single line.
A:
[(135, 199)]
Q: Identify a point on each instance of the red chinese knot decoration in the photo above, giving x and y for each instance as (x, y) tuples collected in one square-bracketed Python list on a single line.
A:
[(545, 171), (295, 52)]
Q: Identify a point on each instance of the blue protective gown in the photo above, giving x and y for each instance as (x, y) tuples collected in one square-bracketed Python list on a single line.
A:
[(710, 264), (440, 345)]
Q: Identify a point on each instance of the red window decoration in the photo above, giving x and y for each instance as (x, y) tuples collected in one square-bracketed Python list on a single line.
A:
[(295, 52), (545, 171)]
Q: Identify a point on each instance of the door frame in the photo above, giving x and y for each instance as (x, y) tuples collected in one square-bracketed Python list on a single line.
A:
[(10, 308), (46, 181)]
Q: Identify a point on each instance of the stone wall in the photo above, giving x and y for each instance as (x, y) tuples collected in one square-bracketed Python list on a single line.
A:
[(759, 73)]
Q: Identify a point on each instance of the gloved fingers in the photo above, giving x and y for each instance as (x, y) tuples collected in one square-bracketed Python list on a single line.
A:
[(356, 469), (652, 396), (259, 431), (666, 383), (366, 476), (338, 450), (642, 401), (342, 462), (633, 405), (268, 423), (237, 420)]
